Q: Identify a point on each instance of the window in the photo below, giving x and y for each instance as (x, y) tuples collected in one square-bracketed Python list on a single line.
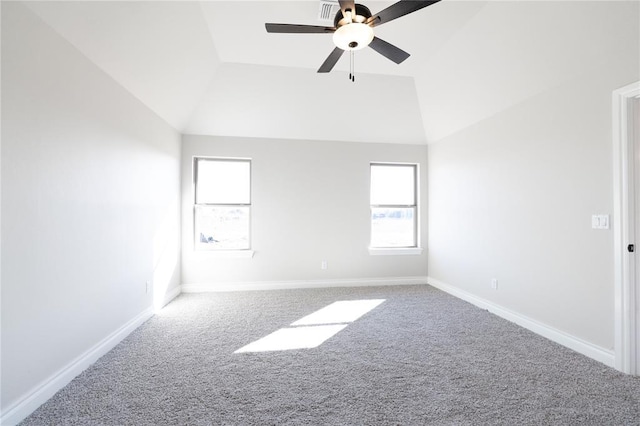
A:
[(393, 206), (222, 203)]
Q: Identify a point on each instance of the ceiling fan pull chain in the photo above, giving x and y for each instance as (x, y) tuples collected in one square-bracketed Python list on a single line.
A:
[(353, 59), (352, 68)]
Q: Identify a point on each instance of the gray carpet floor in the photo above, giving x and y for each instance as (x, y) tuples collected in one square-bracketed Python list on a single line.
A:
[(422, 357)]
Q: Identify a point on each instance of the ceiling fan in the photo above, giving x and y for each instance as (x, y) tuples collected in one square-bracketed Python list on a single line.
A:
[(353, 30)]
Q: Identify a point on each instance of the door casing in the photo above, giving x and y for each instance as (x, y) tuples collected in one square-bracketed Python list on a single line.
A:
[(626, 169)]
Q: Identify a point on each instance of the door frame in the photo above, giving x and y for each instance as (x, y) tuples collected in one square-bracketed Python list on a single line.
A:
[(627, 326)]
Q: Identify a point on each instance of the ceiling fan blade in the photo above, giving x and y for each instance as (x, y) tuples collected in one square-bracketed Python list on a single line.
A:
[(298, 29), (396, 10), (331, 60), (347, 4), (388, 50)]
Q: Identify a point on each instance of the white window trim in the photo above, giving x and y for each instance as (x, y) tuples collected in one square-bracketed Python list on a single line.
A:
[(227, 254), (407, 251), (400, 251), (246, 253)]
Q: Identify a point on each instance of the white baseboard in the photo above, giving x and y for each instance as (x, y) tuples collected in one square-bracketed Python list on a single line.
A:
[(300, 284), (590, 350), (18, 411)]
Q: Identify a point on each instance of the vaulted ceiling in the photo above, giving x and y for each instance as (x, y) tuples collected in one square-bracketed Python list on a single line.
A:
[(211, 68)]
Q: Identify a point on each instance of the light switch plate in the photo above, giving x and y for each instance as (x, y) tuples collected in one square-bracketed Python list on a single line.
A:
[(600, 221)]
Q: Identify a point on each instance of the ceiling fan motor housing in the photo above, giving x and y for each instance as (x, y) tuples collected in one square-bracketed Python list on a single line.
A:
[(352, 33), (362, 14)]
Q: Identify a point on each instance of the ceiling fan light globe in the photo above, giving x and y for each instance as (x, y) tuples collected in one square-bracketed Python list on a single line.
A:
[(354, 36)]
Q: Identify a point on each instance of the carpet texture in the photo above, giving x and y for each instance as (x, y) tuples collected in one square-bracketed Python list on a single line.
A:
[(422, 357)]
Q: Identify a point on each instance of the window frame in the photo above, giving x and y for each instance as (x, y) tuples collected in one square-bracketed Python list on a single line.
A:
[(227, 252), (396, 250)]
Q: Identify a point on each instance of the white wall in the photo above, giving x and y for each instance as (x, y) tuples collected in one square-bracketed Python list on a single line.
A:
[(310, 203), (90, 204), (511, 197)]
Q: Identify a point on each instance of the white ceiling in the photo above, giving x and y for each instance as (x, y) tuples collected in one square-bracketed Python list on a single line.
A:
[(211, 68)]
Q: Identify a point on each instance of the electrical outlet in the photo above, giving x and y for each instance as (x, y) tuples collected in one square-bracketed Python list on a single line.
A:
[(147, 287), (494, 283), (324, 265)]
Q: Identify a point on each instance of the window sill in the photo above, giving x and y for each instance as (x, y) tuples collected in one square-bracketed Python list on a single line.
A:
[(228, 254), (395, 251)]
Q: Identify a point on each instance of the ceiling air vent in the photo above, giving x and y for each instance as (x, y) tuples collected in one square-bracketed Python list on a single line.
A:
[(327, 11)]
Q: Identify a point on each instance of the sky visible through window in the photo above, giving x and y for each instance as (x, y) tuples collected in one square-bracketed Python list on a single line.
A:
[(392, 185), (223, 182)]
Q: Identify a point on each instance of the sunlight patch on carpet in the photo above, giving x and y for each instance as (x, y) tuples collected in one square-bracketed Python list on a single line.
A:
[(293, 338), (314, 329), (341, 312)]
